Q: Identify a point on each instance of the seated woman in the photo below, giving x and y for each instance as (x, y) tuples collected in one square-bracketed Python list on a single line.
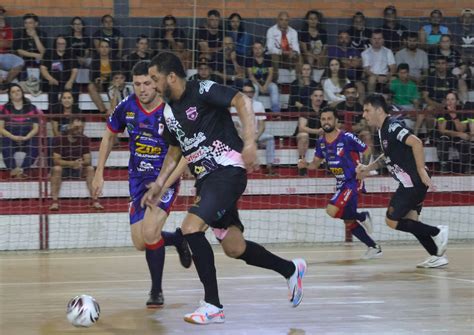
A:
[(335, 81), (455, 132), (19, 129), (300, 90), (64, 111)]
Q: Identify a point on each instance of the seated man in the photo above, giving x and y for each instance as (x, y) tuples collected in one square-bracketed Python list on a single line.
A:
[(264, 138), (309, 127), (229, 66), (405, 93), (210, 36), (172, 38), (205, 72), (9, 62), (119, 89), (283, 45), (72, 159), (30, 43)]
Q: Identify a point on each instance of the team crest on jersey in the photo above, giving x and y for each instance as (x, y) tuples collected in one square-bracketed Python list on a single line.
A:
[(130, 115), (167, 196), (340, 151), (191, 113), (161, 128), (205, 86)]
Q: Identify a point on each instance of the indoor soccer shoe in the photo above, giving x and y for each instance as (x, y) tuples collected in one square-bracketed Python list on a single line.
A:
[(205, 314), (155, 300), (295, 282), (373, 252), (433, 262), (441, 240), (367, 223), (183, 251)]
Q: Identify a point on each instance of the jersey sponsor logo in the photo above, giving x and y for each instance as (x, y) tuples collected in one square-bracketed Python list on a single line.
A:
[(338, 172), (205, 86), (393, 127), (189, 143), (145, 149), (130, 115), (144, 125), (167, 196), (161, 128), (402, 134), (145, 166), (355, 138), (196, 156), (191, 113)]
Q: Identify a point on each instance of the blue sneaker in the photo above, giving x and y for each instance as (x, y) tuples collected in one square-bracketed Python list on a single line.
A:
[(295, 282)]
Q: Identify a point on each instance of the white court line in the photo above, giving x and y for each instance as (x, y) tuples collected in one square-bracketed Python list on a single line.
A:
[(370, 317), (450, 278), (139, 255)]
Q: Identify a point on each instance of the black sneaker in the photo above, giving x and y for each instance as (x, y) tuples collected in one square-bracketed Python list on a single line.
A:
[(183, 250), (155, 300), (302, 172)]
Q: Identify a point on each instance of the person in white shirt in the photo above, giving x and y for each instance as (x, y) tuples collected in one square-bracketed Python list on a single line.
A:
[(334, 82), (263, 137), (283, 45), (378, 61)]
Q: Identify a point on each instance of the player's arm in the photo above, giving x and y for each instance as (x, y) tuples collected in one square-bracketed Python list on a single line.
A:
[(177, 173), (419, 155), (315, 164), (105, 148), (362, 170)]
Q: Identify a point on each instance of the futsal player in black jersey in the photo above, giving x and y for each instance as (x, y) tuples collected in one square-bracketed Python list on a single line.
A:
[(404, 156), (200, 128)]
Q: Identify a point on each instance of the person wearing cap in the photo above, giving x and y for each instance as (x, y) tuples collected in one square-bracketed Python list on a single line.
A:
[(393, 32), (10, 63), (430, 34)]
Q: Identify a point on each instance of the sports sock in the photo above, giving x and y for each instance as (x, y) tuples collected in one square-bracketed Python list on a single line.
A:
[(257, 255), (361, 216), (172, 238), (203, 258), (427, 243), (416, 227), (358, 231), (155, 258)]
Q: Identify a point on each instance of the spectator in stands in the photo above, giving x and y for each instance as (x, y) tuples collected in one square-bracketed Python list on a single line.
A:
[(309, 127), (359, 33), (242, 39), (430, 34), (454, 132), (300, 90), (394, 33), (283, 45), (210, 37), (102, 67), (263, 137), (260, 72), (113, 35), (19, 130), (416, 58), (313, 40), (334, 82), (30, 43), (10, 63), (119, 89), (142, 52), (405, 92), (204, 72), (59, 71), (72, 159), (79, 42), (171, 38), (230, 66), (63, 111), (445, 48), (350, 58), (378, 62), (465, 36)]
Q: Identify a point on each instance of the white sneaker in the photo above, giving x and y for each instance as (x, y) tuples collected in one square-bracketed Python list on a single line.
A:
[(295, 282), (205, 314), (373, 253), (441, 240), (367, 224), (433, 262)]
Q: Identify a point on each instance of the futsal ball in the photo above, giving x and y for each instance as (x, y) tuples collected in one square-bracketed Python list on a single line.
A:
[(83, 311)]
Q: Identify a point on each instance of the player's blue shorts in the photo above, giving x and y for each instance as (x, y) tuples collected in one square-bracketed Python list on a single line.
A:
[(346, 199), (138, 189)]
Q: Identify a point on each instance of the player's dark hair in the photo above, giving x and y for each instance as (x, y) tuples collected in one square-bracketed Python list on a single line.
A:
[(31, 16), (348, 86), (168, 18), (412, 34), (167, 62), (329, 110), (141, 68), (317, 88), (403, 66), (377, 101), (213, 12), (377, 32), (106, 16), (142, 37)]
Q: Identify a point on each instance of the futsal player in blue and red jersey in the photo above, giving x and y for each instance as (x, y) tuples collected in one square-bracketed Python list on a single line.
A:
[(141, 114), (341, 151)]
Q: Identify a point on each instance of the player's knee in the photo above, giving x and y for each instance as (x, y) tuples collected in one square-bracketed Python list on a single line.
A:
[(57, 169), (332, 211), (190, 228), (302, 137), (391, 223), (234, 251), (139, 246)]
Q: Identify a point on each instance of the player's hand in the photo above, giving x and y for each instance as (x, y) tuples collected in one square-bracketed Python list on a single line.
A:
[(249, 156), (362, 171), (97, 185), (425, 178), (152, 196)]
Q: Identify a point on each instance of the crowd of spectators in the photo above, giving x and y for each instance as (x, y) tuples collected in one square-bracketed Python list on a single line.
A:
[(420, 71)]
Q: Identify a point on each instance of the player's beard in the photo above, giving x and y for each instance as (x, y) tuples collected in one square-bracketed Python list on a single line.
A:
[(327, 128), (166, 94)]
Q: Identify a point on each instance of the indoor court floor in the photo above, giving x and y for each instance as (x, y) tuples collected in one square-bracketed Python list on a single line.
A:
[(343, 295)]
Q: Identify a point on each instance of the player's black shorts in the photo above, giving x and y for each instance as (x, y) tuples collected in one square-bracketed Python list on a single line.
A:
[(217, 196), (406, 199)]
